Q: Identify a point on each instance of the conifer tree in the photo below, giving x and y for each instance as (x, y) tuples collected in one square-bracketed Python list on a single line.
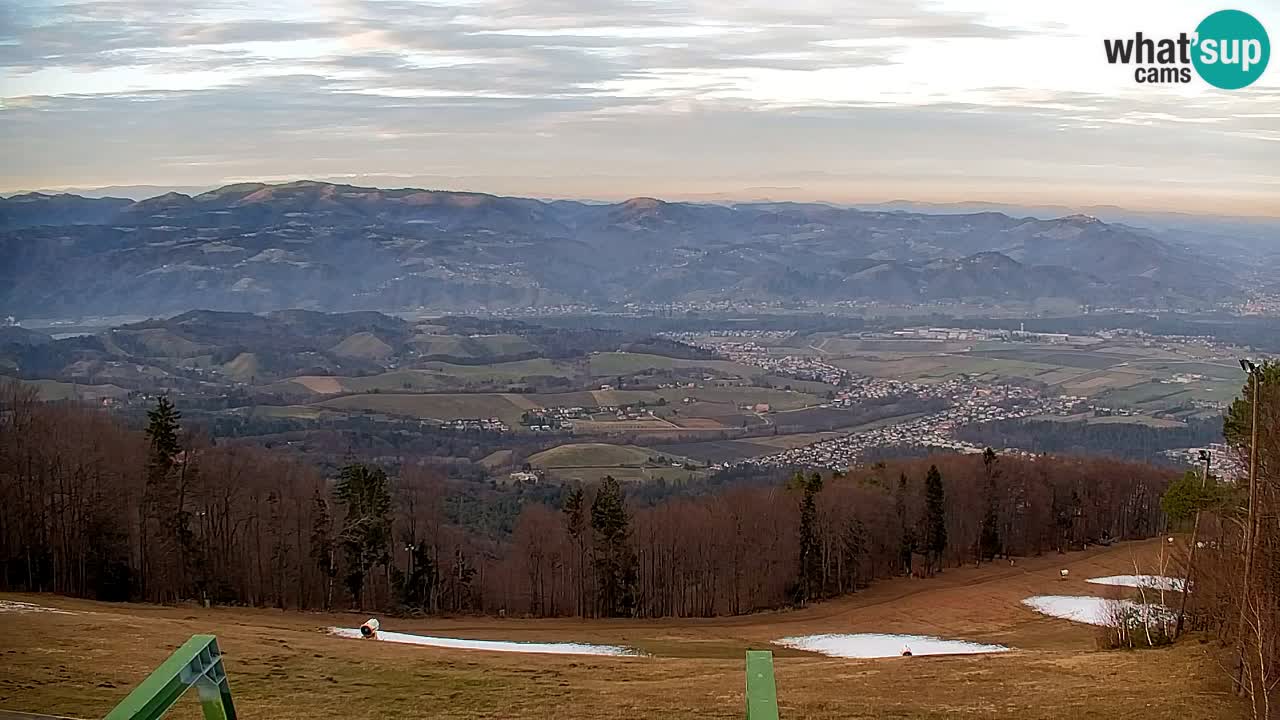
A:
[(615, 564), (935, 524)]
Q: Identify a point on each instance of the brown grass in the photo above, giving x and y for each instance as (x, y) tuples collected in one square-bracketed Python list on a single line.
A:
[(283, 666)]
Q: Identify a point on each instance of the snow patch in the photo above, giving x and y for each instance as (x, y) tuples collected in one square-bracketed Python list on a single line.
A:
[(1150, 582), (880, 645), (1095, 610), (493, 645), (16, 606)]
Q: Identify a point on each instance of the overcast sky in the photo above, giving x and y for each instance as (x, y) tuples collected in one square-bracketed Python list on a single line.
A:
[(998, 100)]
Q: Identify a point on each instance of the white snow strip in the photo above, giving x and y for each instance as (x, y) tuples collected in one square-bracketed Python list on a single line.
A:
[(16, 606), (493, 645), (1093, 610), (1150, 582), (879, 645)]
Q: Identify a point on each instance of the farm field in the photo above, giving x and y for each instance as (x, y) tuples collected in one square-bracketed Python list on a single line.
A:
[(587, 475), (595, 455), (717, 407), (716, 451), (283, 665), (50, 390), (608, 364), (432, 377), (1115, 374), (473, 346), (437, 406)]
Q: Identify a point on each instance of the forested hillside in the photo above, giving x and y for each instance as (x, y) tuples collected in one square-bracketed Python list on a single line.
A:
[(90, 508)]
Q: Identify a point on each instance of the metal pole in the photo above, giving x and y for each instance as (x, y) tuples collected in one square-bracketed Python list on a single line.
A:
[(1191, 549)]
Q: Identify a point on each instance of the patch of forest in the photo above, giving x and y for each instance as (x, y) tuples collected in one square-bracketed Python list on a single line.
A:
[(1129, 440), (92, 508)]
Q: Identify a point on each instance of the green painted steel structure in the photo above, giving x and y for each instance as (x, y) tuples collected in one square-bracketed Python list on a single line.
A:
[(198, 662), (762, 692)]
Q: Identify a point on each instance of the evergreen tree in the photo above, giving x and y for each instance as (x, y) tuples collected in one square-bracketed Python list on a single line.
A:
[(575, 525), (907, 533), (420, 586), (854, 546), (935, 525), (615, 564), (809, 584), (366, 529), (322, 545), (1191, 494), (162, 432), (989, 544), (161, 517)]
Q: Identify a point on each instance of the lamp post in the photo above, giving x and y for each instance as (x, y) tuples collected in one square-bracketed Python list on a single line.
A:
[(1255, 377), (1191, 548)]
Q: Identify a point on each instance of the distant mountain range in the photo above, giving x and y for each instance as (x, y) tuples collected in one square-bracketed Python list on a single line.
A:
[(257, 247)]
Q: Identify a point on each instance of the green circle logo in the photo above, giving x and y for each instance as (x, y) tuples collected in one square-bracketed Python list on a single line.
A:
[(1232, 50)]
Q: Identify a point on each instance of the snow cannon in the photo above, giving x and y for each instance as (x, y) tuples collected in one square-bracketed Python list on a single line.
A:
[(906, 651), (369, 630), (1063, 574)]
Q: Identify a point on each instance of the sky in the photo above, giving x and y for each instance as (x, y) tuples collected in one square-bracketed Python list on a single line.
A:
[(941, 101)]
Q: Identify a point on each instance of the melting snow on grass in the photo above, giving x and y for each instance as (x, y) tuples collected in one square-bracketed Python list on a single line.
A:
[(1150, 582), (15, 606), (1095, 610), (879, 645), (494, 645)]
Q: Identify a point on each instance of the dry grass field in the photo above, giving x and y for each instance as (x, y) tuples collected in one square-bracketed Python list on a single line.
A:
[(282, 665)]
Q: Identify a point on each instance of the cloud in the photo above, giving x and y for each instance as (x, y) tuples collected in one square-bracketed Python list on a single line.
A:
[(660, 93)]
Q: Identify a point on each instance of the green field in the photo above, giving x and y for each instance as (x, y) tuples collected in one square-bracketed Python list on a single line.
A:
[(451, 345), (363, 345), (1117, 375), (472, 346), (742, 395), (431, 377), (1156, 396), (596, 455), (610, 364), (439, 406), (502, 372), (293, 412), (53, 390)]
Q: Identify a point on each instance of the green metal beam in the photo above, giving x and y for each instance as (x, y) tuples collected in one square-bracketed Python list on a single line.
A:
[(762, 693), (198, 662)]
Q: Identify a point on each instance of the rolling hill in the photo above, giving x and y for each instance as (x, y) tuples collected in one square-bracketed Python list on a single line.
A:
[(254, 247)]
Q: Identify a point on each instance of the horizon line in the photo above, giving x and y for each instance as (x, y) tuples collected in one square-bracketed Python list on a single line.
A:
[(742, 196)]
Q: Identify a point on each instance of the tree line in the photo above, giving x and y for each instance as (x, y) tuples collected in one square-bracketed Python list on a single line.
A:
[(1129, 440), (1234, 572), (91, 508)]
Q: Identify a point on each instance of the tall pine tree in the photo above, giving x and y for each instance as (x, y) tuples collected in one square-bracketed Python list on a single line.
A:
[(161, 517), (989, 545), (935, 521), (906, 526), (615, 564), (575, 525), (366, 530), (809, 583)]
